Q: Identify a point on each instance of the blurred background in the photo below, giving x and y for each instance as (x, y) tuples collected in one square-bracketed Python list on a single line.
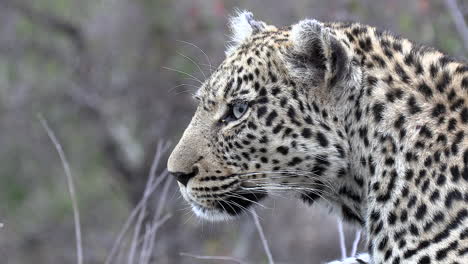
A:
[(107, 76)]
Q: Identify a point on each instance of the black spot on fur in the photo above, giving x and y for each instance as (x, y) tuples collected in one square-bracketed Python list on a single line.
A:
[(322, 139), (306, 133), (283, 150), (438, 110), (425, 90), (261, 111), (377, 110), (271, 117), (413, 106), (464, 115)]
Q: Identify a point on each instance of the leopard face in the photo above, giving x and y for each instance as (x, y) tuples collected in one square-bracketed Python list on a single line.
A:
[(258, 129)]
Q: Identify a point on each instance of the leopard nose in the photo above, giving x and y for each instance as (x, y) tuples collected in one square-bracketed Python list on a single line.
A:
[(183, 177)]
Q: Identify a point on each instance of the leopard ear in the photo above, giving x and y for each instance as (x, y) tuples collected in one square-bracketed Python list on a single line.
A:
[(316, 55), (242, 26)]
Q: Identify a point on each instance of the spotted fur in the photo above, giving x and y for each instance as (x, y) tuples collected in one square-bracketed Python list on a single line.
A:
[(342, 113)]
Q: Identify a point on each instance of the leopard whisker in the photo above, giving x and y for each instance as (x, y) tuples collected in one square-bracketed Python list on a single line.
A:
[(243, 208), (279, 188), (231, 194), (266, 181), (185, 73), (299, 191), (294, 172), (204, 53), (220, 204), (183, 84), (190, 217), (287, 188), (192, 61)]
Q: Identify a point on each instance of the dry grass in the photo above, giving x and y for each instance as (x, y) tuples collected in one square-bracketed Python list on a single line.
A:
[(144, 231), (140, 229), (71, 188)]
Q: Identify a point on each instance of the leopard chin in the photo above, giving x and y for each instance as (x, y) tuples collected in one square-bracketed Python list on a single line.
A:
[(228, 208)]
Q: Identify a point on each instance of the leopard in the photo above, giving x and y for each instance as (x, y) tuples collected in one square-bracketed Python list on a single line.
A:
[(339, 114)]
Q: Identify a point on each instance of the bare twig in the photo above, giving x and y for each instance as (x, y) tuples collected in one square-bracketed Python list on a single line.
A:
[(136, 234), (71, 188), (148, 246), (157, 215), (225, 258), (150, 187), (262, 237), (145, 254), (458, 20), (151, 229), (357, 238), (128, 223), (160, 149), (342, 239)]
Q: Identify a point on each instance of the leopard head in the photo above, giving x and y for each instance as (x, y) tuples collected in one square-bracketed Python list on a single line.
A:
[(263, 122)]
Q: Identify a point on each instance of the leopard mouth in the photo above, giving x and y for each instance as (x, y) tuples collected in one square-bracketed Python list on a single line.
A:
[(236, 205), (230, 206)]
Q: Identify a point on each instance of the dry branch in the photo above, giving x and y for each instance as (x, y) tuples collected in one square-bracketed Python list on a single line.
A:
[(149, 239), (161, 148), (342, 239), (262, 237), (128, 223), (357, 238), (71, 188), (141, 207)]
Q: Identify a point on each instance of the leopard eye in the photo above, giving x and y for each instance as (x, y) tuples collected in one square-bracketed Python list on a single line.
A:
[(239, 109), (235, 112)]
